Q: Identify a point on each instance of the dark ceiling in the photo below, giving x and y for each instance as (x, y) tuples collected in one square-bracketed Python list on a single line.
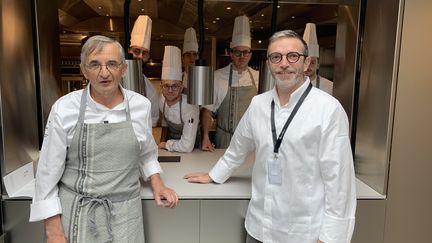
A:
[(170, 18)]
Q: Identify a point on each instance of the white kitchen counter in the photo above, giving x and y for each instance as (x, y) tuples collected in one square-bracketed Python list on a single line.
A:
[(237, 186)]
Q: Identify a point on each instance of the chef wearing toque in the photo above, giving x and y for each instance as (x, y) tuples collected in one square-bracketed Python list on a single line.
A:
[(180, 119), (97, 144), (318, 81), (234, 87), (140, 49), (189, 54)]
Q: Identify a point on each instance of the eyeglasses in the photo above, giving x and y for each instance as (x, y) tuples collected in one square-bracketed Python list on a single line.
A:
[(173, 87), (138, 51), (239, 53), (111, 66), (292, 57)]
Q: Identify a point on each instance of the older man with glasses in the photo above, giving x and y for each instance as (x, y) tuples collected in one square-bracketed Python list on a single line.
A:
[(180, 119), (303, 181), (234, 87), (97, 143)]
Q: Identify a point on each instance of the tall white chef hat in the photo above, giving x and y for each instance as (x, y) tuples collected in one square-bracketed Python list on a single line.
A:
[(141, 32), (241, 33), (310, 38), (171, 64), (190, 41)]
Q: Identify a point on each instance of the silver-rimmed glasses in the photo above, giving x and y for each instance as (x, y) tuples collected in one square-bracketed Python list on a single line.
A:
[(111, 66)]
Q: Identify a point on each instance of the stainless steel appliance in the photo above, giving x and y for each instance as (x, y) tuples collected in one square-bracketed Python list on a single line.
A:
[(29, 78)]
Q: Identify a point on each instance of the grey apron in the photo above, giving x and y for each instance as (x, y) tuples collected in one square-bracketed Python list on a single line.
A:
[(231, 110), (100, 189), (174, 130)]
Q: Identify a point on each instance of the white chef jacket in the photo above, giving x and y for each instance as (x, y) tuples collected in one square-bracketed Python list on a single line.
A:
[(317, 197), (153, 96), (221, 81), (59, 132), (325, 85), (190, 115)]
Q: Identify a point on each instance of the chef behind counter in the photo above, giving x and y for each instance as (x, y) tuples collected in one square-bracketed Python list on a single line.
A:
[(179, 119)]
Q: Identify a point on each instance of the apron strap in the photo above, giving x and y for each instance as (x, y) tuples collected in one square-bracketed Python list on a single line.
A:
[(252, 78), (94, 203), (83, 105)]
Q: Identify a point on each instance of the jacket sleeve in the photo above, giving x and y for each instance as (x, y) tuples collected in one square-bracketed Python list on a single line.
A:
[(337, 172), (51, 164)]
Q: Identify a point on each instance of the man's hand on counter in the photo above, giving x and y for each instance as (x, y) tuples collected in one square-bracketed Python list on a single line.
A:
[(198, 177), (206, 145), (162, 145), (165, 197)]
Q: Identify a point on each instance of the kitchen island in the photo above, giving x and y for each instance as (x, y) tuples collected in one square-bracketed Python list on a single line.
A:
[(207, 213)]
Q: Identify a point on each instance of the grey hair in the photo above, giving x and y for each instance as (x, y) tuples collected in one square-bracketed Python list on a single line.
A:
[(96, 43), (289, 34)]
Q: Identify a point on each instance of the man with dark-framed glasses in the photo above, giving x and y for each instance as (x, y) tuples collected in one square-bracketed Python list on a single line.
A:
[(179, 119), (234, 87), (303, 180)]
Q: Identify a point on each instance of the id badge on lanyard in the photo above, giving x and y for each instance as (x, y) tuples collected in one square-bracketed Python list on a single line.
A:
[(274, 171)]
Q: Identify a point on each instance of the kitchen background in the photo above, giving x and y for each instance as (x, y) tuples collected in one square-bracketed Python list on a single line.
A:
[(368, 48)]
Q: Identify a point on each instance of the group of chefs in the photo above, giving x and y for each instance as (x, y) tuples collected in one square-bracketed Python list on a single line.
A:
[(234, 87), (98, 142)]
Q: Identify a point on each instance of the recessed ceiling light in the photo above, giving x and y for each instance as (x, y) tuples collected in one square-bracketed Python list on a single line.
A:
[(293, 17), (107, 15), (262, 27), (228, 8), (278, 6), (99, 7), (139, 0), (206, 28), (214, 21), (217, 18), (260, 41), (142, 10), (262, 15)]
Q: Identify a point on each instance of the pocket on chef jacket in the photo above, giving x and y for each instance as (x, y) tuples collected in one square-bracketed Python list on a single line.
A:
[(298, 225)]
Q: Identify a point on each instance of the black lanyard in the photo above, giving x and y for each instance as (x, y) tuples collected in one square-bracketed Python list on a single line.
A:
[(277, 142)]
